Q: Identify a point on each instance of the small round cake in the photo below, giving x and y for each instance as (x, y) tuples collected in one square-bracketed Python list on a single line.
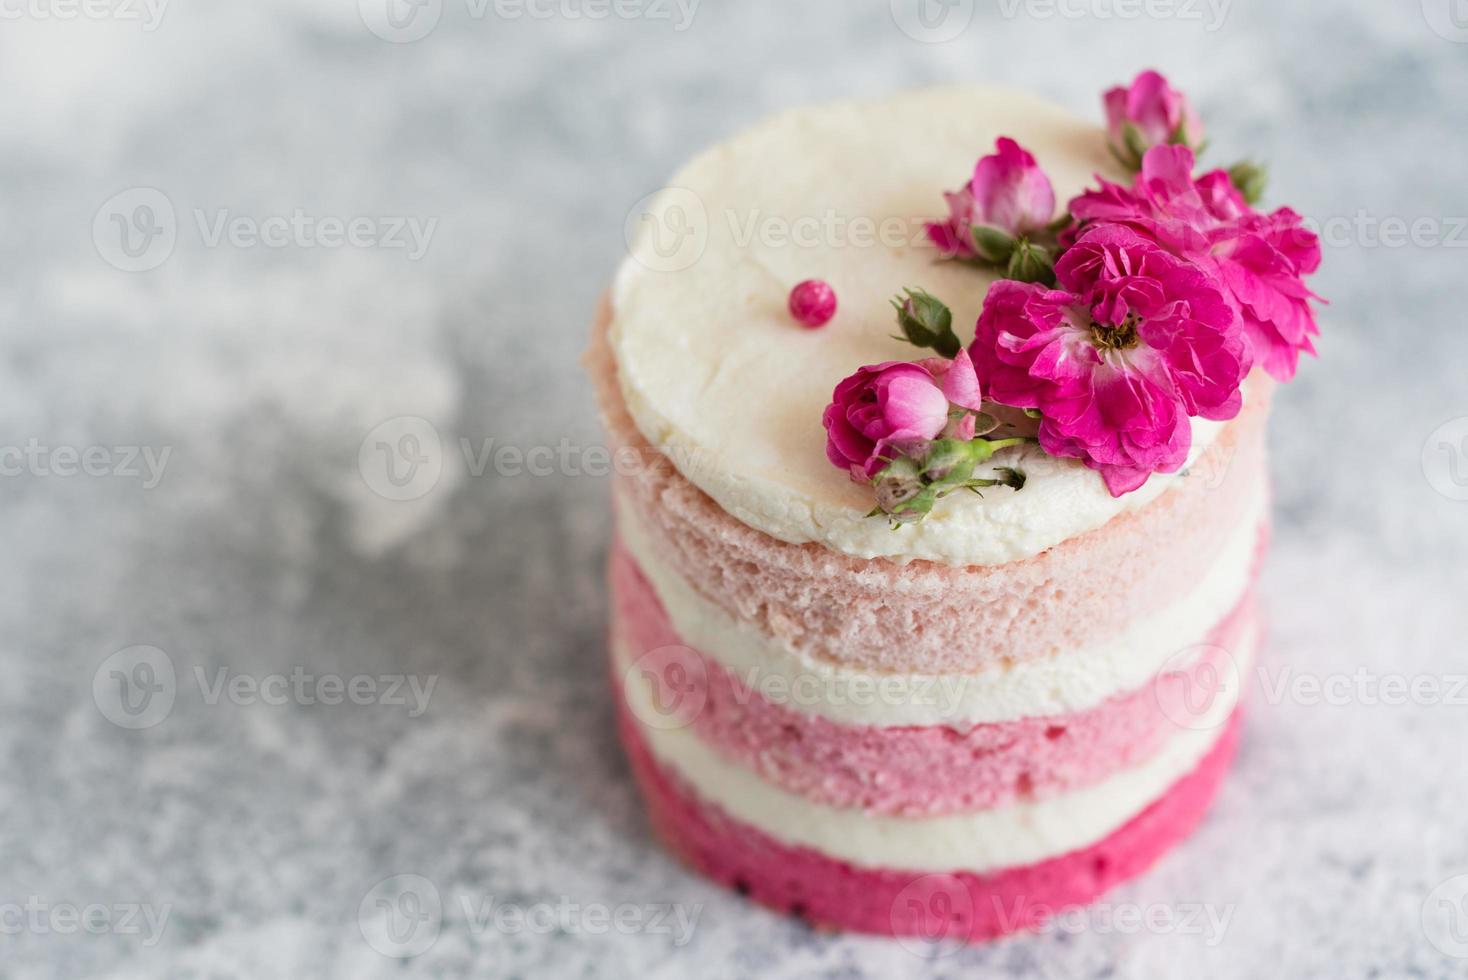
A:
[(944, 728)]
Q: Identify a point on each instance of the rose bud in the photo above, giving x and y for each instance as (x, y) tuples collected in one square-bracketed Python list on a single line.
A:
[(1149, 113), (1008, 198)]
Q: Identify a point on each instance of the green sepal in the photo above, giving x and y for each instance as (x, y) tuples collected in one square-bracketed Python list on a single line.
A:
[(1031, 263), (1060, 224), (992, 243), (1136, 146), (1251, 179)]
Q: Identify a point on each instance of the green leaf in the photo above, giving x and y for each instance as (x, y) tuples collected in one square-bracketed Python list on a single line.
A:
[(984, 423)]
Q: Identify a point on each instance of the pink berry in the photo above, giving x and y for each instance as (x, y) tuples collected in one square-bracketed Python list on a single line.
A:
[(813, 303)]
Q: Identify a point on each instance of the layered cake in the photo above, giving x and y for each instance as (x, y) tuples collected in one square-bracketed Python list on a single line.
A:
[(937, 640)]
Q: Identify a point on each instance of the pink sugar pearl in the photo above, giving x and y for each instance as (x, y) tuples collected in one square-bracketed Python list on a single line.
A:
[(813, 303)]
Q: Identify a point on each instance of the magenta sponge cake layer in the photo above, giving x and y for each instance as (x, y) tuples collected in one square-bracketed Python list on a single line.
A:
[(954, 906)]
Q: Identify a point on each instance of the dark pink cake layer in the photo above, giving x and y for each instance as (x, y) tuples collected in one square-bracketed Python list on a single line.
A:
[(958, 906), (917, 771)]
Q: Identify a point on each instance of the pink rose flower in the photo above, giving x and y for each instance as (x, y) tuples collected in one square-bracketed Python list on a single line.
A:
[(1008, 194), (882, 406), (1149, 113), (1260, 261), (1132, 343)]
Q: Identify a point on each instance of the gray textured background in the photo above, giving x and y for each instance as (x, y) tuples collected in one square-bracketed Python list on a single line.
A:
[(261, 828)]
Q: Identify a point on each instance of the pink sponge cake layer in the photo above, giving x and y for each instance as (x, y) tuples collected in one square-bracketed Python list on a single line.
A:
[(928, 617), (928, 770), (957, 906)]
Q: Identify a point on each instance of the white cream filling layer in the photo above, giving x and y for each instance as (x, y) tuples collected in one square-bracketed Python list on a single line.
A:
[(1071, 681), (717, 374), (985, 840)]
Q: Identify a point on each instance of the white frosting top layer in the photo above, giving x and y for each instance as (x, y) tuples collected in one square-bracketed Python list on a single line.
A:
[(1070, 682), (716, 372), (978, 841)]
